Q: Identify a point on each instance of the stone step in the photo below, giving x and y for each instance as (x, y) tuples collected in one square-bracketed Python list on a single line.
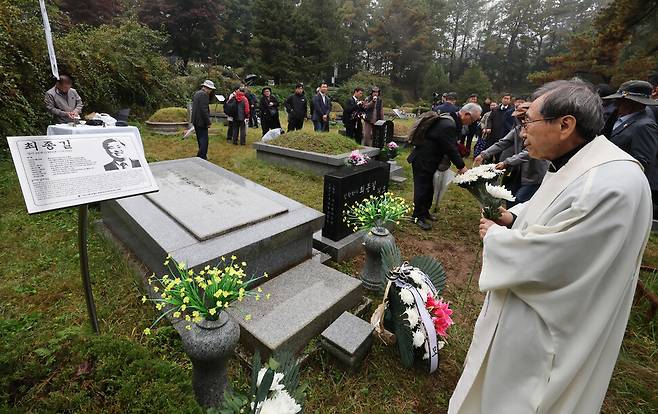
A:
[(397, 179), (303, 302)]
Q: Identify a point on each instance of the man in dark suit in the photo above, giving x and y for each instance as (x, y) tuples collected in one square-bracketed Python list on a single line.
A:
[(450, 104), (635, 130), (116, 150), (352, 115), (440, 140), (500, 121), (321, 109)]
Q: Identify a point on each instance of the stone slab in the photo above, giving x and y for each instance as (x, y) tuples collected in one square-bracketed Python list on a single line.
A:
[(654, 226), (272, 246), (303, 302), (192, 195), (341, 250), (348, 340)]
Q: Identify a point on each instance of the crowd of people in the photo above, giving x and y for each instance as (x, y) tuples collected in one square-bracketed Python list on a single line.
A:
[(630, 117)]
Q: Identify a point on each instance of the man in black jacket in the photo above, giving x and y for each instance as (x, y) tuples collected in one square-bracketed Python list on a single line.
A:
[(201, 116), (635, 130), (500, 121), (296, 107), (352, 115), (440, 140)]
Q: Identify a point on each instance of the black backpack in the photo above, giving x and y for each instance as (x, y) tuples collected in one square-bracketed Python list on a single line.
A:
[(231, 108), (423, 123)]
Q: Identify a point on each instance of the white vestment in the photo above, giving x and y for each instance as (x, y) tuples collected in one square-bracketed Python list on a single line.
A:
[(559, 285)]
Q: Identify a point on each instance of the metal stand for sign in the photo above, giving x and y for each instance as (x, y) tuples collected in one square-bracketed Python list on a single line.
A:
[(83, 213)]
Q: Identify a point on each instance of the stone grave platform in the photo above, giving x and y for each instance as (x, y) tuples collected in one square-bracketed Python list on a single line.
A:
[(203, 212)]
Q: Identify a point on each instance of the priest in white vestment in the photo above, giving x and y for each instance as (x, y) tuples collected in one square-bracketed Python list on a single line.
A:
[(559, 270)]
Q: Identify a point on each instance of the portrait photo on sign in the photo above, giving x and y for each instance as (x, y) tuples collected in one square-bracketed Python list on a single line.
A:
[(120, 159)]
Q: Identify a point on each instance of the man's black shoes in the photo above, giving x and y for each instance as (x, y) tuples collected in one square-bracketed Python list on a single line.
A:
[(423, 224)]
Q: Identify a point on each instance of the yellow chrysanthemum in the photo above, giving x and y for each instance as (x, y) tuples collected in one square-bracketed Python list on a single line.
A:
[(247, 318), (176, 314), (144, 299), (147, 331)]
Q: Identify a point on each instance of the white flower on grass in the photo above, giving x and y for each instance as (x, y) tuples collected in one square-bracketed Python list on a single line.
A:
[(280, 403), (500, 192), (419, 338), (276, 381), (412, 316), (406, 296)]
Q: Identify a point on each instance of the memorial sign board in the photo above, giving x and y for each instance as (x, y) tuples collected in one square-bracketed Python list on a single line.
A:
[(63, 171), (347, 186)]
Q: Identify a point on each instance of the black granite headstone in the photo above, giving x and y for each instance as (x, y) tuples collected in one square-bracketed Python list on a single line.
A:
[(382, 133), (349, 185)]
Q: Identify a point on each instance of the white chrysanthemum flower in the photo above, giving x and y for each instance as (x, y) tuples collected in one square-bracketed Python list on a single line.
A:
[(500, 192), (424, 290), (465, 178), (488, 175), (441, 345), (406, 296), (426, 355), (412, 316), (416, 276), (280, 403), (276, 381), (419, 338)]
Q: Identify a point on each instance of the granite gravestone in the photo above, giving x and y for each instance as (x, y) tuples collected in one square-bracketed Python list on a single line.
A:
[(192, 196), (347, 186), (382, 133)]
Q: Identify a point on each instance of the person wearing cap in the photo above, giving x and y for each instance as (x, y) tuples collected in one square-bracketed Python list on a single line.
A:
[(373, 108), (449, 105), (635, 130), (62, 101), (296, 108), (560, 270), (321, 109), (531, 171), (201, 116), (269, 110)]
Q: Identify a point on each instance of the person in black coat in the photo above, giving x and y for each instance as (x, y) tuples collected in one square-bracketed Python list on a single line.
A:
[(269, 111), (449, 105), (321, 109), (500, 121), (352, 115), (253, 101), (440, 140), (635, 130), (201, 116), (296, 107)]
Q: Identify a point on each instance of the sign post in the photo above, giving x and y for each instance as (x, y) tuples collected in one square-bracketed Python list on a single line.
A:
[(65, 171)]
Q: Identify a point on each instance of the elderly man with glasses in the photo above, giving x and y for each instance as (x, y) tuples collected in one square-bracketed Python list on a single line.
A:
[(559, 270)]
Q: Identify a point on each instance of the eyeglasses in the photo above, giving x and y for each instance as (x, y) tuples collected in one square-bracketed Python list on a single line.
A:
[(525, 121)]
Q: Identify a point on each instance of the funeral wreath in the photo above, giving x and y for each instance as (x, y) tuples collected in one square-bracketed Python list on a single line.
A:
[(412, 314)]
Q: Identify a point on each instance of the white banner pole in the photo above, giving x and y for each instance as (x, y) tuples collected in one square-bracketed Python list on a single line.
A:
[(49, 40)]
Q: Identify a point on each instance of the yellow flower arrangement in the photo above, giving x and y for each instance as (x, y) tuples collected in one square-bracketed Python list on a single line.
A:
[(376, 211), (193, 295)]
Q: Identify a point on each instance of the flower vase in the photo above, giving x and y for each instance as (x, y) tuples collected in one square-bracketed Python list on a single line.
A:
[(210, 344), (372, 273)]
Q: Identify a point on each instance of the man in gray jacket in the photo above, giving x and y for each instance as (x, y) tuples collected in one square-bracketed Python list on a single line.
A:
[(62, 101), (514, 155), (201, 116)]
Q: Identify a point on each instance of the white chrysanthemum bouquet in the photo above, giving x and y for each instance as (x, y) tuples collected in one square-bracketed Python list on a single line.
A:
[(274, 389), (482, 182)]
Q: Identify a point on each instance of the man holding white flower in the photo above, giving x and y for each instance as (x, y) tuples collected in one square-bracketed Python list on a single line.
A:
[(559, 270)]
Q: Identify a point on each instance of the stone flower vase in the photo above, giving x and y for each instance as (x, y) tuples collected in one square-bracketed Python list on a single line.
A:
[(210, 344), (373, 241)]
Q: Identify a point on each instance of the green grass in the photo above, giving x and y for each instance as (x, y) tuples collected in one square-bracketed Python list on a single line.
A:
[(169, 115), (51, 363), (330, 143)]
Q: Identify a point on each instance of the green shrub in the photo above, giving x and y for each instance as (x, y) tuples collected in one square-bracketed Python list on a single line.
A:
[(172, 114), (330, 143)]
